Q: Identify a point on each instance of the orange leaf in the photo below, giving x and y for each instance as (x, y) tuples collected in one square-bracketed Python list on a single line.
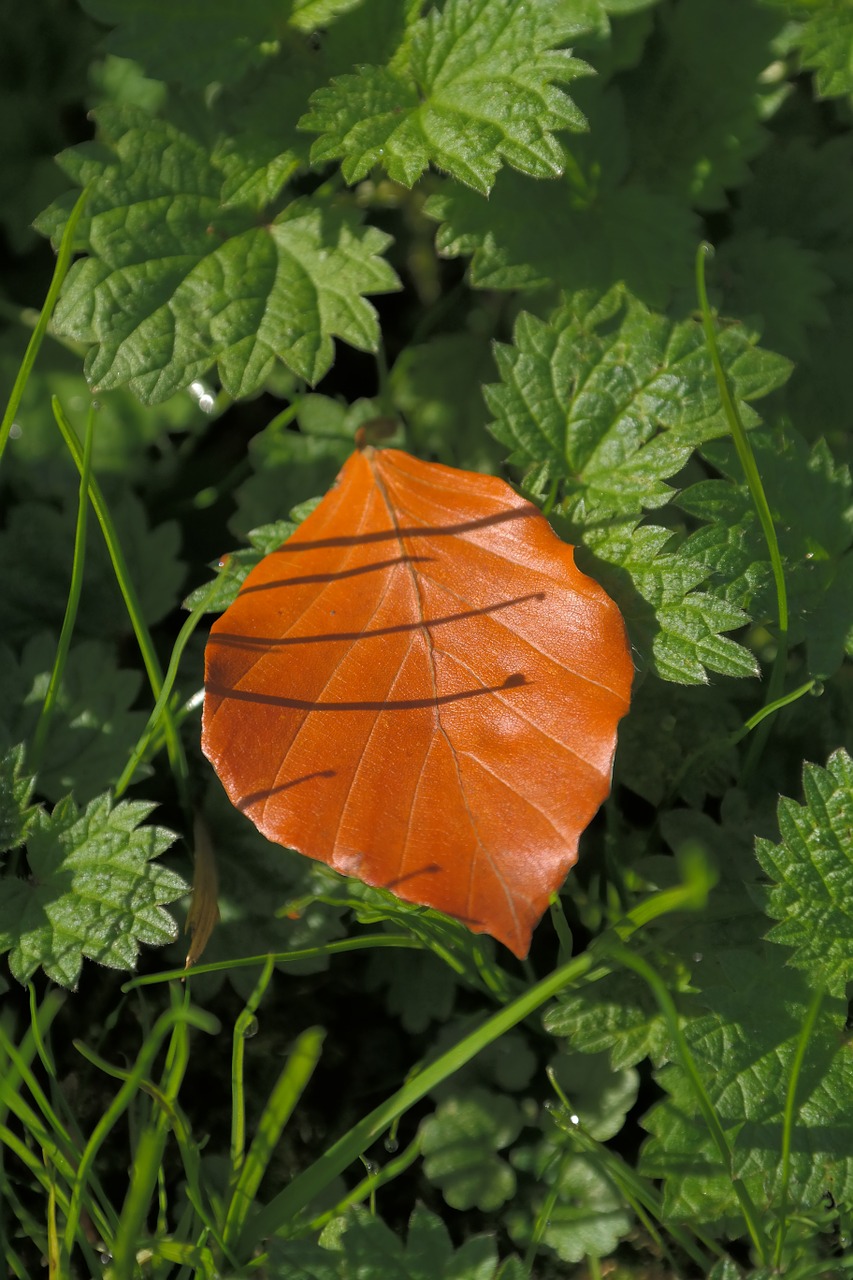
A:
[(420, 689)]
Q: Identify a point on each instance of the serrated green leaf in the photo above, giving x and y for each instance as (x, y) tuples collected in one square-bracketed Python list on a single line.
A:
[(826, 42), (814, 552), (609, 399), (197, 41), (744, 1048), (93, 730), (811, 872), (16, 788), (460, 1144), (181, 276), (35, 567), (94, 891), (629, 234), (695, 108), (235, 566), (472, 87)]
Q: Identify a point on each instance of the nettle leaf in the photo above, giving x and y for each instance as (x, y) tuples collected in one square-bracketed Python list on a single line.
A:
[(36, 545), (744, 1048), (826, 44), (182, 276), (16, 788), (93, 730), (195, 42), (460, 1145), (608, 399), (604, 403), (811, 871), (566, 238), (694, 107), (94, 891), (816, 553), (675, 628), (364, 1248), (471, 87)]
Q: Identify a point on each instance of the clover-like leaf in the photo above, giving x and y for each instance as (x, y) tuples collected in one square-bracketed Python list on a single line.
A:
[(182, 275), (472, 87), (359, 1244), (460, 1145), (94, 891)]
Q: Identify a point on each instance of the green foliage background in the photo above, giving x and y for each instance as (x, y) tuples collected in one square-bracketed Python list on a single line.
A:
[(477, 219)]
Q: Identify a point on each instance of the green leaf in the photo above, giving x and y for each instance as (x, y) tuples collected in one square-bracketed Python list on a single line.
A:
[(35, 567), (16, 788), (810, 873), (419, 988), (744, 1048), (826, 43), (364, 1248), (181, 275), (93, 730), (438, 388), (675, 628), (696, 105), (600, 1096), (471, 87), (460, 1144), (609, 399), (586, 1219), (234, 567), (567, 238), (199, 41), (731, 548), (94, 891)]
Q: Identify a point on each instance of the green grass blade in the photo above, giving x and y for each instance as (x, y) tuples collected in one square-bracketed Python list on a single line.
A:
[(365, 943), (36, 753), (242, 1028), (63, 261), (288, 1089), (759, 500), (790, 1115), (177, 757)]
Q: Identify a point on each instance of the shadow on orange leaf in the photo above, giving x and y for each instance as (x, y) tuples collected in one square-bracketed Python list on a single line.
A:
[(440, 721)]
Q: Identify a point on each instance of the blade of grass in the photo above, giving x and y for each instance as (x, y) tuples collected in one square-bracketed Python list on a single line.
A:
[(63, 261), (177, 757), (288, 1089), (161, 705), (242, 1029), (139, 1071), (790, 1114), (281, 957), (759, 500), (36, 753)]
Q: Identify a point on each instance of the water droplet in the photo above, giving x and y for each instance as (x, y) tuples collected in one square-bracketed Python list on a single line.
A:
[(371, 1166), (575, 1119), (96, 404), (391, 1145), (697, 956), (817, 689), (16, 431), (105, 1257), (250, 1029)]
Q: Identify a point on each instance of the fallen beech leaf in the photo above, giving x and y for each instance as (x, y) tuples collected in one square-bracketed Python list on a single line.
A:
[(420, 689)]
